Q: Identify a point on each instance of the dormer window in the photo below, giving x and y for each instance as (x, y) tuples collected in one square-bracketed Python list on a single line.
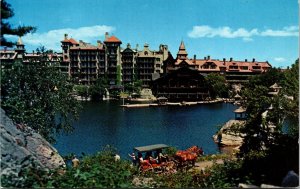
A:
[(146, 53)]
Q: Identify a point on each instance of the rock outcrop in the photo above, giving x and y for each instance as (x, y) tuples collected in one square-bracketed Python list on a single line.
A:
[(22, 147), (228, 135)]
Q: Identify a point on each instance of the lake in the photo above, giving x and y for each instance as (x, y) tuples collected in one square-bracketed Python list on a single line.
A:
[(103, 123)]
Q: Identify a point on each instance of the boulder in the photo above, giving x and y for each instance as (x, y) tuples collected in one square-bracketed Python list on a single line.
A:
[(229, 137), (22, 147)]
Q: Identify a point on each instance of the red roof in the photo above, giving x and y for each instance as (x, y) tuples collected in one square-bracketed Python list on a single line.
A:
[(112, 39), (71, 40)]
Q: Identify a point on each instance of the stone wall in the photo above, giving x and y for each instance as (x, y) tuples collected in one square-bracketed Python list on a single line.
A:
[(21, 147)]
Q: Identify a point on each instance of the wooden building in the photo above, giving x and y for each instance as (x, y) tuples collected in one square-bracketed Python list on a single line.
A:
[(183, 84)]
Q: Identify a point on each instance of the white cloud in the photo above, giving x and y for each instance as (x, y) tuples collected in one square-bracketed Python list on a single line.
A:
[(52, 38), (280, 59), (285, 32), (227, 32)]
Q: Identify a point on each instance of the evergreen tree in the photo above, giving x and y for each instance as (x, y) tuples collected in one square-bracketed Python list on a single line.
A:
[(6, 28)]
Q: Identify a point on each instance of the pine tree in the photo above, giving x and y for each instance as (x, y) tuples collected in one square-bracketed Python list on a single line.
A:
[(6, 28)]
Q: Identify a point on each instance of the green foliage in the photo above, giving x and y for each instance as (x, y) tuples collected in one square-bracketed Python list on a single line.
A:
[(273, 75), (82, 90), (217, 85), (118, 75), (94, 171), (291, 88), (176, 180), (98, 89), (213, 157), (39, 96), (226, 175), (171, 151), (6, 13), (134, 87), (264, 148)]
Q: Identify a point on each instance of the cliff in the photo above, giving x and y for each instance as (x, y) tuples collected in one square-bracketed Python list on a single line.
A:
[(22, 147)]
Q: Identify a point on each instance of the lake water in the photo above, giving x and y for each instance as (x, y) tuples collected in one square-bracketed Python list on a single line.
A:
[(103, 123)]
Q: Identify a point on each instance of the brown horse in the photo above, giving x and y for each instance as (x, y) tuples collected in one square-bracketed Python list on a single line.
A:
[(188, 157), (195, 149)]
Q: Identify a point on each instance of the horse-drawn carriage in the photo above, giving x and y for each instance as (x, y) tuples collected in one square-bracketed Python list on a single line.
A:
[(158, 164), (162, 163)]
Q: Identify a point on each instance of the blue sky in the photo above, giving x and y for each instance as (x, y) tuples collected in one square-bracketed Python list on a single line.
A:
[(242, 29)]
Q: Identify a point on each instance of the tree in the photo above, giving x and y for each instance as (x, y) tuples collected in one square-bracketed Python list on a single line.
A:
[(263, 146), (118, 75), (6, 13), (82, 90), (291, 88), (39, 96), (274, 75), (217, 85), (100, 87)]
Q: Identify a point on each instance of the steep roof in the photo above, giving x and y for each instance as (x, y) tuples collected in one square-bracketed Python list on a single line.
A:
[(19, 41), (71, 40), (182, 49), (112, 39)]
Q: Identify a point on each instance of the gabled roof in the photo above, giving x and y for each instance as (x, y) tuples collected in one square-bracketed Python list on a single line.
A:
[(179, 61), (275, 86), (128, 50), (112, 39), (71, 40)]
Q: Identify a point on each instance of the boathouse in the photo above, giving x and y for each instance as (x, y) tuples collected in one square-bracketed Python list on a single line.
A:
[(183, 84)]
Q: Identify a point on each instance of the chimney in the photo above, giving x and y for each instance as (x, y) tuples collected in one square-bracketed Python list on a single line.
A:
[(205, 58), (208, 57), (246, 60), (224, 59), (66, 36), (137, 46), (99, 43), (106, 35), (230, 59), (253, 60), (194, 58), (128, 45)]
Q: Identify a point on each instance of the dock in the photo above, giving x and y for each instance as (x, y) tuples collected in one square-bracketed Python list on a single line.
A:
[(171, 104), (138, 105)]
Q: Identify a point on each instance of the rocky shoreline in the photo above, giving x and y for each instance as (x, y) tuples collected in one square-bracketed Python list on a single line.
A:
[(228, 135), (22, 147)]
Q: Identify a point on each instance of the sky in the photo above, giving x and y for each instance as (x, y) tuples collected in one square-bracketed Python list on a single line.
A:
[(267, 30)]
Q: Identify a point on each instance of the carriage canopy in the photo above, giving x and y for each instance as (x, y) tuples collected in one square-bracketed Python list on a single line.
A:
[(150, 147)]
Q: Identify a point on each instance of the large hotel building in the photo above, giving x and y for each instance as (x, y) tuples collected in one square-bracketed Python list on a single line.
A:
[(85, 63)]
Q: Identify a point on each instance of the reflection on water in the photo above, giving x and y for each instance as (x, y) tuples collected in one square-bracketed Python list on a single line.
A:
[(106, 122)]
